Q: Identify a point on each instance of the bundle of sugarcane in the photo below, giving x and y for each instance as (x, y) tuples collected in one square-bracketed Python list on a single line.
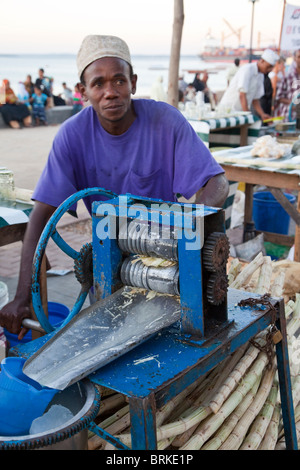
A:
[(237, 404)]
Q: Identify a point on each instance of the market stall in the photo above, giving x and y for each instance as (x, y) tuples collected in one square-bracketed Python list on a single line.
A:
[(276, 174), (234, 130)]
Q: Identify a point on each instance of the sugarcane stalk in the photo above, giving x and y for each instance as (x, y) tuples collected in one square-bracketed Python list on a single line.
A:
[(289, 308), (236, 438), (297, 305), (264, 278), (233, 378), (261, 422), (195, 398), (164, 412), (234, 270), (244, 276), (203, 433), (221, 435), (277, 287), (271, 435), (164, 443), (192, 416), (115, 427), (111, 403)]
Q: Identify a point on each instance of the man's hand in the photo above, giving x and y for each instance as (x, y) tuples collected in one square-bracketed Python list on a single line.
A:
[(12, 315)]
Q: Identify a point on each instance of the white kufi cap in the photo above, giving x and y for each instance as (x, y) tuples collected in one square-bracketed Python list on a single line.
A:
[(96, 47), (270, 56)]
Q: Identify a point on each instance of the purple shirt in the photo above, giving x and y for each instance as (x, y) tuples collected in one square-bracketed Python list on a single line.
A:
[(159, 156)]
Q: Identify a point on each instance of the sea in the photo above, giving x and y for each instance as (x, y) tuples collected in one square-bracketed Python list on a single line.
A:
[(62, 68)]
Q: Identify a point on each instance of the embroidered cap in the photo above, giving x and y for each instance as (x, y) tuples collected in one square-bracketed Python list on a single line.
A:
[(95, 47), (270, 56)]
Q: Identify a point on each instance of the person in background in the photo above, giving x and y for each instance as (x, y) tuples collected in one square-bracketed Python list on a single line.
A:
[(44, 83), (157, 92), (200, 84), (77, 99), (247, 86), (267, 99), (143, 147), (232, 70), (39, 101), (182, 84), (14, 113), (190, 93), (29, 85), (23, 95), (277, 74), (67, 94), (287, 89)]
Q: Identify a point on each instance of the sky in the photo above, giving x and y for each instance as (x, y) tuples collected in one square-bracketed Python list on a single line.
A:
[(59, 26)]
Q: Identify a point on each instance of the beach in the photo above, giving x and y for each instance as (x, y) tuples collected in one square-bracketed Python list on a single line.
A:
[(62, 67), (25, 152)]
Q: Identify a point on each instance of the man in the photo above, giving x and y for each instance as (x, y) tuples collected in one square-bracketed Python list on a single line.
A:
[(141, 147), (247, 86), (232, 70), (44, 83), (288, 89)]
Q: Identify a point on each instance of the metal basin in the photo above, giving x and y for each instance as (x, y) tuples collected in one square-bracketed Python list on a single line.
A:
[(83, 400)]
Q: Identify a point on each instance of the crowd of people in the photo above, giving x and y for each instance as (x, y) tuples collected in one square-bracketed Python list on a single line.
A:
[(268, 87), (27, 105)]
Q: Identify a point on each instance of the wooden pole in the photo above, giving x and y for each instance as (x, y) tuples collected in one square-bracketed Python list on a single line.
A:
[(175, 53), (282, 19)]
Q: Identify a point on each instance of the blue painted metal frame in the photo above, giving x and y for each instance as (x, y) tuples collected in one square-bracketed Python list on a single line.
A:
[(48, 232), (108, 256), (172, 362), (176, 364)]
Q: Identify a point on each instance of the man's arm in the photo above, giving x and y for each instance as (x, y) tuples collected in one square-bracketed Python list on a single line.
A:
[(243, 100), (256, 105), (12, 314), (214, 192)]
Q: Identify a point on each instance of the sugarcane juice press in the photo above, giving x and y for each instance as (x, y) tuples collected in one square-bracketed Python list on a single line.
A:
[(181, 320)]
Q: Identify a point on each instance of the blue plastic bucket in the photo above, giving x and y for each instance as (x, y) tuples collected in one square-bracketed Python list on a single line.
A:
[(21, 399), (269, 215), (56, 313)]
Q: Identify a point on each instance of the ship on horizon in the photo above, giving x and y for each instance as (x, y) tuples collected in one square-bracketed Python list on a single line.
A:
[(216, 51)]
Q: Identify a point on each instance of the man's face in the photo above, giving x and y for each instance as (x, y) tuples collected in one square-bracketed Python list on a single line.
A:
[(265, 67), (108, 87)]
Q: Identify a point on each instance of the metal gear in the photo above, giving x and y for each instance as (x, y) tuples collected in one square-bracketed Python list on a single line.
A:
[(215, 251), (83, 266), (217, 286)]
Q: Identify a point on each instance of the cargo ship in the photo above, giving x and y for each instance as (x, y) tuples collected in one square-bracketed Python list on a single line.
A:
[(214, 52)]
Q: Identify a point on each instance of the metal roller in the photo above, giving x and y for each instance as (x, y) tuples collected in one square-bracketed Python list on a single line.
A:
[(148, 239), (163, 280)]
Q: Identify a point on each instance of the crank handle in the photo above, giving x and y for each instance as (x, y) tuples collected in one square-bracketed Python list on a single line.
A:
[(32, 325)]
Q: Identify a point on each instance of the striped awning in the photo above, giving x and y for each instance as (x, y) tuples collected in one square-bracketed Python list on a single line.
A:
[(226, 130)]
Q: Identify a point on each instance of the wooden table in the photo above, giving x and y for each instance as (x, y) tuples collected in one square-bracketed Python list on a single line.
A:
[(233, 131), (277, 175), (14, 217)]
